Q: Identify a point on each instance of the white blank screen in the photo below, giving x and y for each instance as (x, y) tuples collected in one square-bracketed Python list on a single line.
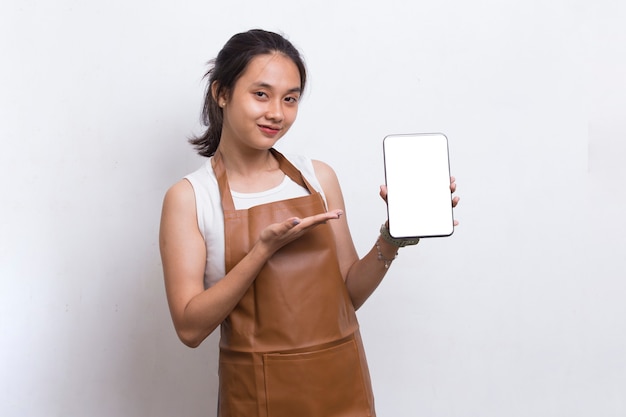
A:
[(417, 174)]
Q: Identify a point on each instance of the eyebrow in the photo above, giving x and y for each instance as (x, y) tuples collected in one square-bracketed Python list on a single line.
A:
[(268, 86)]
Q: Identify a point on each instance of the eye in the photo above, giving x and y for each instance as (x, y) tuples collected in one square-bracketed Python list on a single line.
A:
[(260, 94), (291, 99)]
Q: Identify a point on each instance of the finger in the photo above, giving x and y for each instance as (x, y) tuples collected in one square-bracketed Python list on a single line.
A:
[(383, 192), (455, 201), (452, 184), (337, 212), (317, 219), (323, 217)]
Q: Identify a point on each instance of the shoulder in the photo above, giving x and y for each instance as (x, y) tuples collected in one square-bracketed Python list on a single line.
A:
[(329, 182), (179, 196), (184, 191), (324, 172), (201, 184)]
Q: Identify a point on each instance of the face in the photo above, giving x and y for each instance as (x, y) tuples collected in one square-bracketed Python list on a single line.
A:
[(263, 104)]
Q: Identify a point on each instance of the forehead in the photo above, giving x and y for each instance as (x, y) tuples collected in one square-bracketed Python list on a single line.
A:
[(276, 70)]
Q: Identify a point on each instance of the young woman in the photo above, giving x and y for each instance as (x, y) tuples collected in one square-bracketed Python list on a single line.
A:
[(258, 244)]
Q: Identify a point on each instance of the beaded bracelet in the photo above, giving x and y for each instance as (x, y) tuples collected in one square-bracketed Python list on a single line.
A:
[(382, 258), (399, 242)]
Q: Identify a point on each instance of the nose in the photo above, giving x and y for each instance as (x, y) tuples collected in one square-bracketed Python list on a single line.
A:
[(275, 110)]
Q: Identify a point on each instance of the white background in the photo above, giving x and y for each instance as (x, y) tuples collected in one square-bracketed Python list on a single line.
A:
[(522, 312)]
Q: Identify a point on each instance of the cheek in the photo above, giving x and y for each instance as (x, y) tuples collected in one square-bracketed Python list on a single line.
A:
[(292, 114), (254, 107), (243, 116), (246, 109)]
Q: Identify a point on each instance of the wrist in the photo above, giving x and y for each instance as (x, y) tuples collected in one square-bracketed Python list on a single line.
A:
[(261, 252), (398, 242), (387, 259)]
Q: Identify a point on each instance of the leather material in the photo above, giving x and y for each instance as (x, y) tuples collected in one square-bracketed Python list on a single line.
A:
[(291, 347)]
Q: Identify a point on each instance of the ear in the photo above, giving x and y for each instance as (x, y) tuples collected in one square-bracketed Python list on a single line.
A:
[(218, 96)]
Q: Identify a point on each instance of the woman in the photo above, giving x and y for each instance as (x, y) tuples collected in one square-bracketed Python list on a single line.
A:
[(258, 244)]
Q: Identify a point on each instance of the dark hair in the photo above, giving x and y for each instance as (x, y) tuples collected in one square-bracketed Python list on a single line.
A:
[(226, 69)]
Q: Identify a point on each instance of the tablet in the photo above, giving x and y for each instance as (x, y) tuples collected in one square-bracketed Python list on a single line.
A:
[(417, 175)]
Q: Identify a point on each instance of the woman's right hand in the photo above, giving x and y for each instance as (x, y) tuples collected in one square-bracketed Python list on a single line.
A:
[(277, 235)]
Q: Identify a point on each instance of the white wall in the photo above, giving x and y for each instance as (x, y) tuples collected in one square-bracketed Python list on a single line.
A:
[(520, 313)]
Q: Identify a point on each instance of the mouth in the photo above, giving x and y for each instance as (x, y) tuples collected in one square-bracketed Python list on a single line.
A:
[(269, 129)]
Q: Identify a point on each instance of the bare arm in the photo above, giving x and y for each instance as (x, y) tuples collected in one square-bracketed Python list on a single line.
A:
[(196, 312)]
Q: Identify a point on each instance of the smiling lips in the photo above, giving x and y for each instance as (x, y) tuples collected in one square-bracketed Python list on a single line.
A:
[(269, 130)]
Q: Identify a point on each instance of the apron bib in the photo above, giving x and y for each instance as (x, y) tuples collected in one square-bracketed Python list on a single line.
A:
[(291, 347)]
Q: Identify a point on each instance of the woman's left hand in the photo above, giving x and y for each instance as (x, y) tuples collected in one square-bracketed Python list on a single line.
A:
[(455, 199)]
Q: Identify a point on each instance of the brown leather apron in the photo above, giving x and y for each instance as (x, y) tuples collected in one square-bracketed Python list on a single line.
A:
[(291, 347)]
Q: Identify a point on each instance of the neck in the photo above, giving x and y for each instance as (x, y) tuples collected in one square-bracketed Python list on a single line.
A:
[(247, 163)]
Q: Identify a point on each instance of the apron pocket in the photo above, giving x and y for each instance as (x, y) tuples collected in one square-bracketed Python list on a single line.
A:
[(327, 382)]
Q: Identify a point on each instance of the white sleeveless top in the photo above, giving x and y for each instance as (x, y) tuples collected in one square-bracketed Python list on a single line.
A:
[(211, 216)]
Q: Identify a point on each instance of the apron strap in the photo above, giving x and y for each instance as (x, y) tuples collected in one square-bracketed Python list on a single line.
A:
[(291, 171), (228, 206)]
